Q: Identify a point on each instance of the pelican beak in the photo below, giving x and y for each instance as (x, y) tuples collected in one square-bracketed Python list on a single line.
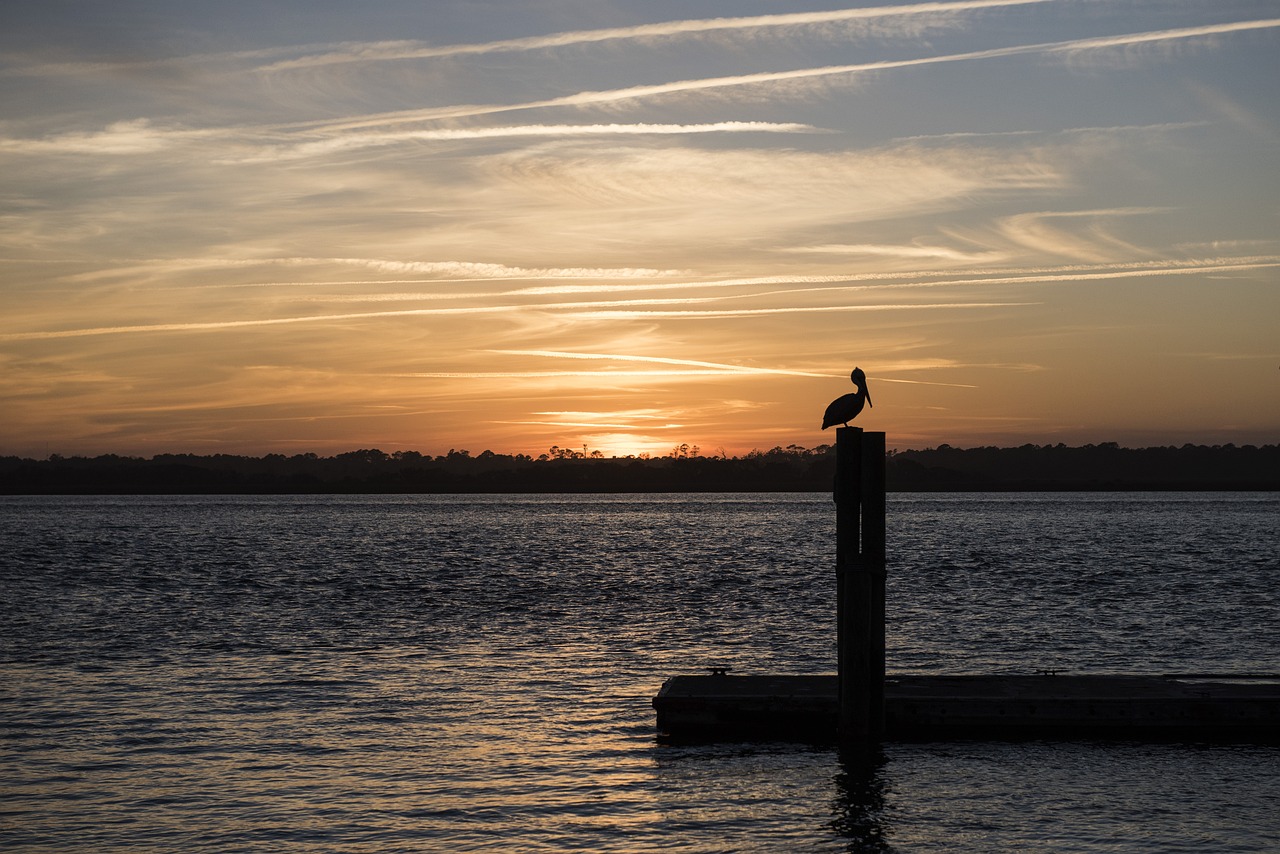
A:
[(868, 397)]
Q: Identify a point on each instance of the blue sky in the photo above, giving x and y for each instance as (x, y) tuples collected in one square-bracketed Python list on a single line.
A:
[(290, 227)]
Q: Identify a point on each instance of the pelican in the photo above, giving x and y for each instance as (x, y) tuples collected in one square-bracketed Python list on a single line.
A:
[(845, 408)]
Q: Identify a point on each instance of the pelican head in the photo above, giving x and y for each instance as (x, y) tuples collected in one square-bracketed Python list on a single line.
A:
[(860, 380)]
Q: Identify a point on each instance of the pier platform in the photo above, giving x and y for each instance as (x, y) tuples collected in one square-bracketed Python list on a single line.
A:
[(1200, 707)]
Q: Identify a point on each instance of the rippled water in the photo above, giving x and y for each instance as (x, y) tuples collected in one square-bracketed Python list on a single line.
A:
[(451, 673)]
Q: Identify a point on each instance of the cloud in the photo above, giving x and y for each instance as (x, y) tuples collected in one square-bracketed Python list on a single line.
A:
[(1068, 274), (1162, 127), (626, 314), (259, 145), (448, 270), (1163, 41), (923, 382), (404, 50), (597, 425), (478, 270), (215, 325), (576, 310), (1220, 103), (709, 202), (1235, 357), (1075, 48), (913, 251), (656, 414), (474, 375), (615, 357), (1036, 231), (694, 292), (882, 21), (354, 141), (134, 137)]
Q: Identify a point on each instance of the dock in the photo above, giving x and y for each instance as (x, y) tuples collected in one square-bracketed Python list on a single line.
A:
[(861, 705), (1201, 707)]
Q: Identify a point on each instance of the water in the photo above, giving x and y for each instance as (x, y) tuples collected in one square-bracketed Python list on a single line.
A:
[(418, 673)]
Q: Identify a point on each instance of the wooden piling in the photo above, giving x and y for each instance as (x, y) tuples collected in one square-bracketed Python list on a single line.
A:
[(852, 707), (860, 575)]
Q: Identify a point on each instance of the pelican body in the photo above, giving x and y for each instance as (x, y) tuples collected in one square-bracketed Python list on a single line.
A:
[(845, 408)]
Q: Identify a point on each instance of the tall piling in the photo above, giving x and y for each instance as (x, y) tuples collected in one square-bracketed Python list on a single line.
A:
[(1191, 706), (860, 581)]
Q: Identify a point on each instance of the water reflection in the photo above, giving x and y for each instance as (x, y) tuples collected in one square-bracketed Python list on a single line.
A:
[(858, 809), (406, 673)]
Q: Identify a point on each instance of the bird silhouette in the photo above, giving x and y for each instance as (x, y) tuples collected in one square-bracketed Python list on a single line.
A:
[(845, 408)]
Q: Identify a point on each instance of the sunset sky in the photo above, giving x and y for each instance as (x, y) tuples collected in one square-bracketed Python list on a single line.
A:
[(316, 226)]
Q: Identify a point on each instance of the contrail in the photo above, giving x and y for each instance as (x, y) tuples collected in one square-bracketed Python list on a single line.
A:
[(603, 312), (587, 98), (421, 312), (240, 324), (692, 363), (385, 51), (355, 141), (339, 53)]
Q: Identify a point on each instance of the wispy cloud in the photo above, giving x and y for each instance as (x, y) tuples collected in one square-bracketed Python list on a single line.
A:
[(477, 375), (597, 425), (627, 314), (704, 291), (1122, 271), (922, 382), (616, 357), (1166, 40), (355, 141), (1073, 47), (705, 199), (937, 278), (480, 270), (446, 270), (1162, 127), (245, 145), (911, 251), (1273, 356), (509, 310), (884, 21), (403, 50), (1037, 230), (132, 137), (215, 325)]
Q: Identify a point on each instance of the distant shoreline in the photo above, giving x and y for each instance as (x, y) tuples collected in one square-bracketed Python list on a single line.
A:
[(1029, 468)]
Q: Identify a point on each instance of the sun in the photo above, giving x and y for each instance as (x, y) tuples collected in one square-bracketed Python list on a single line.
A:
[(629, 444)]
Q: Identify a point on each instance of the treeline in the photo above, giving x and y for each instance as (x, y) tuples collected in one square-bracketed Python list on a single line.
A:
[(791, 469)]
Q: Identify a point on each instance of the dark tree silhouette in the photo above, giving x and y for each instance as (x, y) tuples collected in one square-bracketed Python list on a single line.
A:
[(791, 469)]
